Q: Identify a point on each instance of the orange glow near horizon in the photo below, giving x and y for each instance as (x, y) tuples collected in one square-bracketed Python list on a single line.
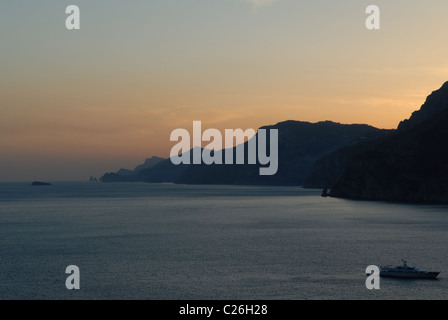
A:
[(70, 128)]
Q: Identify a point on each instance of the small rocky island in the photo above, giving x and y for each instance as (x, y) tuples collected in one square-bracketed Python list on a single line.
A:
[(39, 183), (93, 179)]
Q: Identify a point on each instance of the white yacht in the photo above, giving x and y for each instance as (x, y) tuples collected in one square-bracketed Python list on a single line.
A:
[(406, 271)]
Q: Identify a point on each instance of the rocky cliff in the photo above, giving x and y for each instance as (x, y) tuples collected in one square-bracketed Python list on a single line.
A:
[(435, 103), (409, 166), (330, 168)]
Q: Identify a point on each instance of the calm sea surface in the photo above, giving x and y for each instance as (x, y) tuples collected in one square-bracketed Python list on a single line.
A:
[(164, 241)]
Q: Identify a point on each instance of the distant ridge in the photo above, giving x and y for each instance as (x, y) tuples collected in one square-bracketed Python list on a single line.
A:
[(301, 144), (150, 162)]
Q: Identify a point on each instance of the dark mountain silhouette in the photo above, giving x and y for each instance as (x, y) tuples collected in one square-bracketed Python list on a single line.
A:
[(330, 168), (165, 171), (301, 144), (155, 170), (410, 165), (150, 162), (435, 103)]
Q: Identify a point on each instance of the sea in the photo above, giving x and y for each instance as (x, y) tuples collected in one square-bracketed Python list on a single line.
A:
[(138, 241)]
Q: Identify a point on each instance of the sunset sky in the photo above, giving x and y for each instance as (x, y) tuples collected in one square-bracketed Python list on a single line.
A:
[(83, 102)]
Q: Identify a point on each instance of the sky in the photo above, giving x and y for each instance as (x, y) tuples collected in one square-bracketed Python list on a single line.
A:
[(79, 103)]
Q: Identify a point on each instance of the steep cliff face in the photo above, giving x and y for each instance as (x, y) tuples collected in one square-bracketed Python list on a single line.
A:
[(435, 103), (329, 169), (409, 166)]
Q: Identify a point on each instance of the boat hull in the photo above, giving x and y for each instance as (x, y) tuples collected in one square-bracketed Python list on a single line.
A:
[(409, 275)]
